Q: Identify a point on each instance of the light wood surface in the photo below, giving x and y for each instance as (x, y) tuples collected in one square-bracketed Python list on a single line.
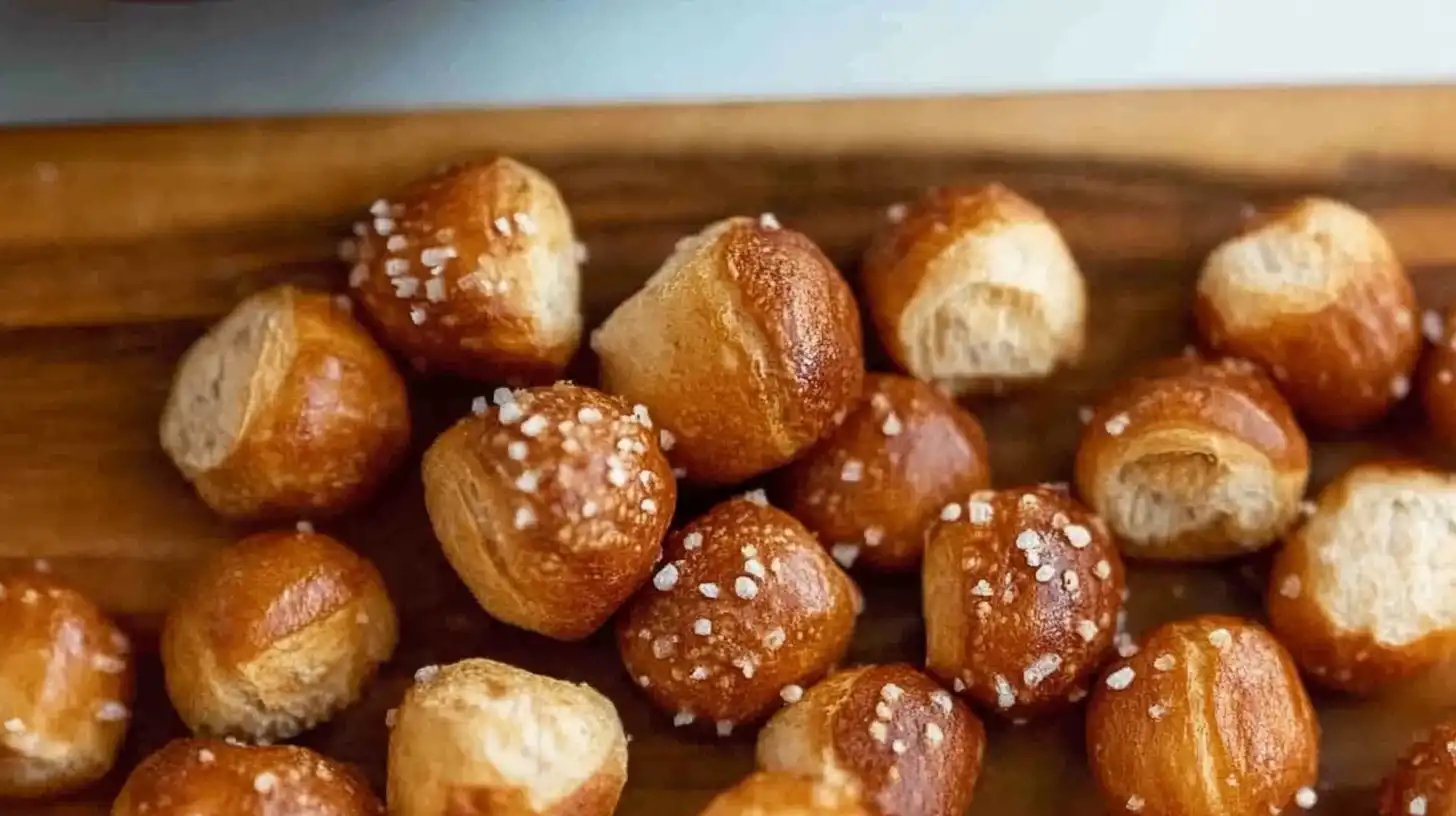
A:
[(118, 245)]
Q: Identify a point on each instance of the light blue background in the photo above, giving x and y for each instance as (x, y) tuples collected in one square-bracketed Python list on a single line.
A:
[(85, 59)]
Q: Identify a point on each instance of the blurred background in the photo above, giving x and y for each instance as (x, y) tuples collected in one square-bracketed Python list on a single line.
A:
[(88, 59)]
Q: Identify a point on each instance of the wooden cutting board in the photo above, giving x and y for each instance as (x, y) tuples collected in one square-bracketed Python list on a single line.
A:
[(118, 245)]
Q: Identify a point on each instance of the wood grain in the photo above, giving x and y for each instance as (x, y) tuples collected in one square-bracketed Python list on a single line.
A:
[(118, 245)]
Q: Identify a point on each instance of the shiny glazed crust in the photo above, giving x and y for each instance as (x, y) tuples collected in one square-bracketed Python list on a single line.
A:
[(196, 776), (473, 272), (1021, 599), (321, 416), (1193, 460), (65, 688), (745, 344), (1208, 719), (745, 604), (1314, 293), (878, 482), (551, 506), (275, 635), (481, 738), (908, 744)]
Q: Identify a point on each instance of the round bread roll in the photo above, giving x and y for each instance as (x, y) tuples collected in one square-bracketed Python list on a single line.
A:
[(1193, 461), (746, 608), (1021, 599), (901, 459), (473, 272), (911, 747), (1315, 294), (1424, 781), (784, 335), (781, 794), (552, 507), (1438, 392), (483, 737), (65, 684), (1207, 719), (286, 408), (188, 777), (1361, 593), (275, 635), (975, 289)]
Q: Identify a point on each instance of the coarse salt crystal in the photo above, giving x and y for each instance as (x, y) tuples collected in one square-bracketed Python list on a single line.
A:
[(845, 554), (942, 700), (683, 718), (1102, 569), (1005, 695), (725, 728), (528, 481), (106, 664), (1399, 386), (792, 693), (1165, 662), (1120, 679), (692, 541), (698, 673), (708, 590), (525, 517), (1116, 425), (754, 567), (950, 512), (502, 225), (666, 578), (775, 638), (1290, 586), (1028, 540), (745, 588), (1045, 573), (1135, 803), (516, 450), (112, 711), (983, 589), (852, 471), (874, 536), (589, 415), (264, 782), (649, 506), (534, 425), (524, 222), (892, 426), (757, 497), (418, 315), (1041, 669), (1077, 535), (1306, 798), (1087, 630), (768, 221), (702, 627), (980, 512), (1417, 806), (1220, 638)]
